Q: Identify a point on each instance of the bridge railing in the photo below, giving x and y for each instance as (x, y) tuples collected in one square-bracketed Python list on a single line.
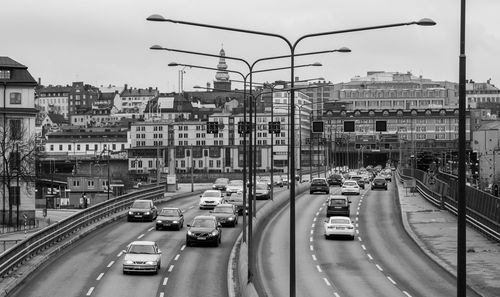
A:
[(483, 209), (52, 234)]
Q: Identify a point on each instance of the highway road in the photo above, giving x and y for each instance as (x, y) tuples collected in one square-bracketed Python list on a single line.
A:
[(381, 261), (92, 267)]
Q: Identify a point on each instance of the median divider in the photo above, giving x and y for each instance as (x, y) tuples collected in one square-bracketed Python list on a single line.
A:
[(246, 288)]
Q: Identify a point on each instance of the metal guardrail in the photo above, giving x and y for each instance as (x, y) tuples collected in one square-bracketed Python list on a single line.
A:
[(52, 234), (475, 218)]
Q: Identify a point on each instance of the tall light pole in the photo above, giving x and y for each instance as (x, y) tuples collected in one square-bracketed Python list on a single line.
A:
[(292, 47)]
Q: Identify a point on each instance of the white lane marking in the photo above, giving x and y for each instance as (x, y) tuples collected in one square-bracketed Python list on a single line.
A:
[(336, 294), (89, 292), (391, 280), (171, 268), (119, 254), (313, 225), (370, 256), (312, 231), (177, 257), (190, 207), (356, 225), (151, 229), (359, 238), (357, 213), (357, 231), (319, 268), (314, 220), (320, 209), (183, 247), (111, 264), (140, 236), (327, 282), (363, 247), (314, 258), (100, 276), (162, 294), (379, 268), (406, 293), (317, 214), (311, 248), (310, 239), (165, 280)]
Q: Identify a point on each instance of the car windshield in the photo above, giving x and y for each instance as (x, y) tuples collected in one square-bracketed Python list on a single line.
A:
[(224, 209), (169, 212), (337, 202), (211, 194), (141, 204), (318, 182), (379, 180), (220, 181), (356, 177), (350, 183), (141, 249), (236, 183), (261, 186), (339, 221), (203, 223)]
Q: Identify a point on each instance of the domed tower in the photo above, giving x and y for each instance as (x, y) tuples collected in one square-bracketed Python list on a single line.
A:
[(221, 81)]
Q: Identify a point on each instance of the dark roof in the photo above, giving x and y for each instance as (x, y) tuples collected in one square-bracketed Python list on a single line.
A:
[(57, 118), (19, 73), (54, 89)]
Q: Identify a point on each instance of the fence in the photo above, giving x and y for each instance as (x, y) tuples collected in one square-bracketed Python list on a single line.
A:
[(483, 209)]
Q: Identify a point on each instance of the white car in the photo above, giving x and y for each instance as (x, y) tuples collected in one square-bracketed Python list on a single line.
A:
[(142, 256), (339, 226), (234, 186), (211, 198), (350, 187)]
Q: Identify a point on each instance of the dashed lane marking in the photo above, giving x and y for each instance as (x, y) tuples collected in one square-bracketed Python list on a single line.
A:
[(314, 257), (183, 247), (100, 276), (327, 282), (314, 220), (170, 268), (336, 294), (319, 268), (111, 264), (313, 225), (379, 268), (359, 238), (311, 248), (89, 292), (312, 231), (310, 239), (165, 280), (140, 236), (162, 294), (357, 231), (177, 257), (151, 229), (406, 293), (391, 280), (363, 247), (119, 254), (317, 214), (370, 257)]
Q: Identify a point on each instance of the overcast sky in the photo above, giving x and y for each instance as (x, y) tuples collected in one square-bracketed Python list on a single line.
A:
[(104, 42)]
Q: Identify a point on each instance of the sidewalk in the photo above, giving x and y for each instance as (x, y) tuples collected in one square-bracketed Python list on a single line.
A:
[(435, 231)]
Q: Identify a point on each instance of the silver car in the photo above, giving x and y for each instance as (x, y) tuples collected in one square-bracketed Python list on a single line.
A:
[(142, 256)]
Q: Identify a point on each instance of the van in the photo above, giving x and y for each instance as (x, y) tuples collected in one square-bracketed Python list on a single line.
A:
[(338, 205)]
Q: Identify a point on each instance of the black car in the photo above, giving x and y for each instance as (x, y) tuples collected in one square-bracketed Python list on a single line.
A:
[(360, 180), (237, 200), (319, 185), (142, 210), (226, 215), (336, 179), (170, 217), (379, 183), (338, 205), (220, 184), (204, 230), (262, 191)]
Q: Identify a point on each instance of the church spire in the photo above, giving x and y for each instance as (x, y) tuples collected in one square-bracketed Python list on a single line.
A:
[(222, 75)]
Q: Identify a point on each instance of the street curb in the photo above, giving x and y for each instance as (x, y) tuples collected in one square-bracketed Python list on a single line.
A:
[(435, 258), (27, 269)]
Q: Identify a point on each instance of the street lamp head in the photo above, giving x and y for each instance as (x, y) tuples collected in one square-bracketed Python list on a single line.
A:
[(173, 64), (156, 47), (344, 50), (156, 18), (426, 22), (316, 64)]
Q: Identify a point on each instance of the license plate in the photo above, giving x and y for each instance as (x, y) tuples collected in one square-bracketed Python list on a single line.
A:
[(201, 238), (167, 224), (138, 216), (340, 228)]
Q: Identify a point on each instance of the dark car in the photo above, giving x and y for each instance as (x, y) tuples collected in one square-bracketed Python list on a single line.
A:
[(204, 230), (319, 185), (142, 210), (170, 217), (226, 214), (220, 184), (236, 200), (338, 205), (336, 179), (379, 183), (262, 191), (360, 180)]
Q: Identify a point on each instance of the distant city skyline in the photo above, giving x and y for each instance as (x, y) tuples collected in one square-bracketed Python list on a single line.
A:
[(107, 42)]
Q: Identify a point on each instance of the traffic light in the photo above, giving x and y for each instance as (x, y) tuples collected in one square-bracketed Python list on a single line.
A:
[(348, 126), (380, 126), (318, 127)]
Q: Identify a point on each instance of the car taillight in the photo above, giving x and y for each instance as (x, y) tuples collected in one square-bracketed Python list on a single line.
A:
[(350, 227)]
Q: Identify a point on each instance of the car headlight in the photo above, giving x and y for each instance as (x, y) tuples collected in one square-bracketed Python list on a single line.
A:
[(146, 213), (130, 212), (159, 221), (150, 263), (128, 262), (189, 233), (215, 233), (175, 222), (230, 218)]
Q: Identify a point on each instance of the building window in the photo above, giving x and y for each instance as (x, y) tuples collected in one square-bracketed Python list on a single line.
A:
[(4, 74), (132, 164), (139, 164), (15, 98), (15, 129), (51, 147), (77, 147), (150, 163), (60, 147), (90, 183), (69, 147), (76, 183), (86, 147)]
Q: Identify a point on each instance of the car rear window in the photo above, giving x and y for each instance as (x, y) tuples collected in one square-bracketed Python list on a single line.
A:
[(337, 202), (141, 249), (339, 221), (169, 212), (211, 194), (141, 204), (318, 182), (350, 183), (204, 223), (220, 181)]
